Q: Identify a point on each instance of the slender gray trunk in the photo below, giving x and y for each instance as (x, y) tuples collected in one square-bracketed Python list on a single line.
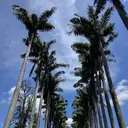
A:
[(95, 113), (109, 108), (23, 123), (34, 105), (39, 111), (47, 111), (103, 110), (18, 86), (101, 101), (99, 116), (112, 91), (123, 14)]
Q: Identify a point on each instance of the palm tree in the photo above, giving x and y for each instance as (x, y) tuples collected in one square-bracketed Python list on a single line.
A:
[(119, 6), (95, 30), (43, 59), (84, 109), (58, 113), (49, 92), (83, 49), (51, 83), (46, 64), (39, 60), (32, 24)]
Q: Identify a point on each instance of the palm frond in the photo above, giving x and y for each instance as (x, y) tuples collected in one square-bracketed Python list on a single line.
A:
[(44, 26), (50, 43), (47, 14), (32, 69), (23, 16), (100, 5), (91, 14), (57, 74), (22, 55), (108, 30), (106, 17), (80, 46), (34, 18)]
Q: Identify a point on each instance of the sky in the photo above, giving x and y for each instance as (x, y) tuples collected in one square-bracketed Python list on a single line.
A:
[(11, 46)]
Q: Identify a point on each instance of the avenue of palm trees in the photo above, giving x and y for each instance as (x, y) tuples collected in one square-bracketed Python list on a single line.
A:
[(91, 106)]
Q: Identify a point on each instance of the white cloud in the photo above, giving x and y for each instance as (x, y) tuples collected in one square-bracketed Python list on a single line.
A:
[(69, 122), (122, 91), (11, 91), (125, 1), (9, 96)]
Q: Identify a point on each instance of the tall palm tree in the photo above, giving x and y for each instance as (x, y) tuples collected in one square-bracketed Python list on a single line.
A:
[(46, 64), (95, 29), (51, 84), (43, 68), (32, 24), (119, 6), (39, 60), (49, 92)]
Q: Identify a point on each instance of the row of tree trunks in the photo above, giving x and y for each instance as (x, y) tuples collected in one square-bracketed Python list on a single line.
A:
[(112, 91), (47, 115)]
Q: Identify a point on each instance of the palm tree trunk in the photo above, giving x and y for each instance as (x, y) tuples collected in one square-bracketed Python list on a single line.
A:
[(101, 101), (108, 103), (18, 86), (103, 110), (23, 123), (39, 111), (34, 105), (47, 111), (95, 113), (123, 14), (99, 117), (112, 91)]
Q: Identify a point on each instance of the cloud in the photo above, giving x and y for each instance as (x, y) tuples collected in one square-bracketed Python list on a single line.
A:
[(122, 92), (69, 122), (125, 1), (9, 96)]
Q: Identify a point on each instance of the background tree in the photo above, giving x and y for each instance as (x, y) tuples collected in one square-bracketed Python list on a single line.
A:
[(23, 108)]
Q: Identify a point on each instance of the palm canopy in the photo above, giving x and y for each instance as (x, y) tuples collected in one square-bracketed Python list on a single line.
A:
[(45, 59), (91, 26), (32, 22), (94, 28)]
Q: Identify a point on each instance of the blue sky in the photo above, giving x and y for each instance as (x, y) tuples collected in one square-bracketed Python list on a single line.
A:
[(11, 46)]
